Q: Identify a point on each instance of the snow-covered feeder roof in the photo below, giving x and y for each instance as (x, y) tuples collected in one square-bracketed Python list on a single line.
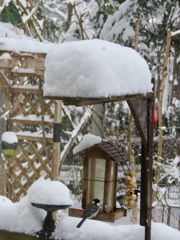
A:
[(101, 148), (88, 141), (95, 70)]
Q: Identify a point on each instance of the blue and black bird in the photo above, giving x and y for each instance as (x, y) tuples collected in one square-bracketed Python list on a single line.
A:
[(90, 211)]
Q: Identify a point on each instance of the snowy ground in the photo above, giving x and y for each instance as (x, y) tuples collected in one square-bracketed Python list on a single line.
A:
[(23, 217)]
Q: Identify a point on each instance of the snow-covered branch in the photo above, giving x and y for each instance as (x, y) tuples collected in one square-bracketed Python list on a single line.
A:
[(175, 33)]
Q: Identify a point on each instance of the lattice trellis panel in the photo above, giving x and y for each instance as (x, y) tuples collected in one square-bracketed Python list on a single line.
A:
[(32, 119), (29, 164)]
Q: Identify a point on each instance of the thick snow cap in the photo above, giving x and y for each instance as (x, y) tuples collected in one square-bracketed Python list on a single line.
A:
[(95, 68)]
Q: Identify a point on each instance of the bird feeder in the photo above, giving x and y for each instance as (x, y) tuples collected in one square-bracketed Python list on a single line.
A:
[(130, 196), (9, 144), (100, 168)]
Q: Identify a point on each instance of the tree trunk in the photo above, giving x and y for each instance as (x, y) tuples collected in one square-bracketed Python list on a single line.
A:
[(160, 105), (130, 151)]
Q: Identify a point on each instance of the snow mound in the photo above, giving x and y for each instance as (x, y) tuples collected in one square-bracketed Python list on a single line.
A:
[(49, 192), (9, 137)]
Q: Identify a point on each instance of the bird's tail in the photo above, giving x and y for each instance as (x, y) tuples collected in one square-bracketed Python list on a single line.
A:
[(80, 223)]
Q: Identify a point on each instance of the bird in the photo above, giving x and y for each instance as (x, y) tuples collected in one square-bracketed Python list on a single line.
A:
[(124, 201), (91, 211), (136, 191)]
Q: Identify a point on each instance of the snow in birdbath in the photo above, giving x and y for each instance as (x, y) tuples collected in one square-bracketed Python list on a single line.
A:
[(87, 141), (49, 192), (9, 137), (95, 68)]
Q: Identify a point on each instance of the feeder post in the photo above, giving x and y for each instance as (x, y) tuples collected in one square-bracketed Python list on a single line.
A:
[(56, 139), (146, 173)]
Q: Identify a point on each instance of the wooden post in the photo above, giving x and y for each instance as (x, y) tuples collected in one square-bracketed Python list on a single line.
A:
[(56, 140), (92, 179), (146, 173), (3, 179), (143, 202), (85, 182), (169, 216), (149, 166), (107, 188)]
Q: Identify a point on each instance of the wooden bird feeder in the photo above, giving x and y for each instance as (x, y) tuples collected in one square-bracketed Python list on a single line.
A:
[(100, 168)]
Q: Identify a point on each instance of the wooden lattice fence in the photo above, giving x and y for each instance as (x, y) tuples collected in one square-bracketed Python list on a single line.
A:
[(31, 118), (35, 122)]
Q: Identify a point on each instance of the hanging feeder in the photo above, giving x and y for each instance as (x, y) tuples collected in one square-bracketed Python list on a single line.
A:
[(9, 144), (130, 197), (100, 168)]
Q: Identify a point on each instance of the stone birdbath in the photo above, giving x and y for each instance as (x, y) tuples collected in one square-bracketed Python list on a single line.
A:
[(50, 196), (49, 223)]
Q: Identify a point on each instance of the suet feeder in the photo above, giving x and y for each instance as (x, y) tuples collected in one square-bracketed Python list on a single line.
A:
[(130, 197), (9, 144), (100, 168)]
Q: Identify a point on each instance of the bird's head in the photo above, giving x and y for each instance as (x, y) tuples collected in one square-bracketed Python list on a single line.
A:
[(136, 191), (96, 201)]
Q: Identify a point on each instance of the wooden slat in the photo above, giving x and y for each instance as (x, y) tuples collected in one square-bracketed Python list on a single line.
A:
[(19, 107), (23, 62), (79, 101), (111, 217), (30, 137), (22, 89), (32, 105), (5, 85), (108, 188), (139, 111), (29, 122), (47, 108), (30, 162), (40, 159), (17, 180), (22, 169), (8, 63)]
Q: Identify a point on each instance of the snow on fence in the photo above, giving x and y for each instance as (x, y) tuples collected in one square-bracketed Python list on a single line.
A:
[(169, 213)]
